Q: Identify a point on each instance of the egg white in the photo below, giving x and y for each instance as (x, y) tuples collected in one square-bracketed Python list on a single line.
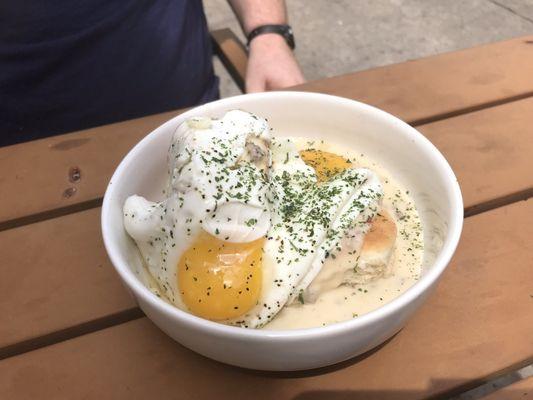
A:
[(208, 189), (308, 223), (224, 173)]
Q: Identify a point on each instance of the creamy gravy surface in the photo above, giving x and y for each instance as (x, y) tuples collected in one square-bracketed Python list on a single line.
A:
[(347, 302)]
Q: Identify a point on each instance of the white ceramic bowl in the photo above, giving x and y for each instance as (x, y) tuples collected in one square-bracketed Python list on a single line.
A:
[(411, 158)]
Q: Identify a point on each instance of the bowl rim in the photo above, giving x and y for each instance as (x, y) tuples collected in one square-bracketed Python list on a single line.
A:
[(440, 263)]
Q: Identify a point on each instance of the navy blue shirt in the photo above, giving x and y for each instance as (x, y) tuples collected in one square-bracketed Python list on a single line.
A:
[(67, 65)]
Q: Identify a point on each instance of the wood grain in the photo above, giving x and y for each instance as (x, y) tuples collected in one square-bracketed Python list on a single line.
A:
[(55, 276), (490, 151), (36, 177), (35, 182), (441, 86), (521, 390), (477, 323)]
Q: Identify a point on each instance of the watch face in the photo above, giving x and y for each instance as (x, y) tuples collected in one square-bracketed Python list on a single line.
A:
[(288, 35)]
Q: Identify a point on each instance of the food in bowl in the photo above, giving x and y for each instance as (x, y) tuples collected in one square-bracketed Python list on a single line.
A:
[(398, 148), (275, 233)]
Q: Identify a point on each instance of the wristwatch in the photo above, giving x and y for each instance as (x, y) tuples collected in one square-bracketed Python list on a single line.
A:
[(283, 30)]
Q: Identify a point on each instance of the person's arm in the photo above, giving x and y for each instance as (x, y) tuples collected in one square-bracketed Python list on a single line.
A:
[(271, 63)]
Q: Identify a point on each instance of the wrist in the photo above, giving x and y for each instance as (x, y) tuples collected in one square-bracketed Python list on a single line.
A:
[(281, 31), (248, 27), (247, 30), (268, 40)]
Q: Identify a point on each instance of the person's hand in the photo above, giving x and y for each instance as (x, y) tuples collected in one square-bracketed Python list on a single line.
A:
[(271, 65)]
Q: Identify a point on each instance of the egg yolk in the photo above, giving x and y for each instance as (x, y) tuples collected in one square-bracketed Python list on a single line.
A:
[(326, 164), (219, 280)]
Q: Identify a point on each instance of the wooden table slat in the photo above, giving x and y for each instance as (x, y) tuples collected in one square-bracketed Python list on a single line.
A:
[(56, 275), (460, 336), (444, 85), (490, 151), (35, 176)]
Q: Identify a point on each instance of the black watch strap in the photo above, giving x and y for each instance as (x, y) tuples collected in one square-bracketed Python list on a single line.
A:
[(283, 30)]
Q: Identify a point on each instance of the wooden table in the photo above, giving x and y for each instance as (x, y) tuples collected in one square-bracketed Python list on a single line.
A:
[(69, 330)]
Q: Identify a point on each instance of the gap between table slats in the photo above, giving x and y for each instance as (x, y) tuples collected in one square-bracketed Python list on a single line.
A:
[(497, 138), (438, 87), (452, 343), (521, 390), (120, 317), (417, 91), (59, 212)]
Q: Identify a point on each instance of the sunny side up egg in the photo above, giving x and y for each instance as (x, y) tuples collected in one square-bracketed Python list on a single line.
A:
[(199, 242), (249, 222)]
